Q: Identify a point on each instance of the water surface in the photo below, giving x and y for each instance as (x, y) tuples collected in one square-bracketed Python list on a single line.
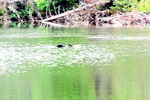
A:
[(111, 64)]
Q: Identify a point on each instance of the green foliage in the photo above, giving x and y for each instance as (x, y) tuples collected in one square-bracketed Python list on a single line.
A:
[(24, 12), (2, 12), (52, 6), (144, 6), (41, 4), (12, 15), (131, 5), (21, 12), (55, 5), (124, 5)]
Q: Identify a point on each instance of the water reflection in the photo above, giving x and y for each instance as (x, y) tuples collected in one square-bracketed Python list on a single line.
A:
[(34, 24), (109, 65)]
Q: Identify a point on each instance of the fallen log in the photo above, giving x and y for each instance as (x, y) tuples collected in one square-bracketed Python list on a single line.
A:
[(75, 11), (54, 24)]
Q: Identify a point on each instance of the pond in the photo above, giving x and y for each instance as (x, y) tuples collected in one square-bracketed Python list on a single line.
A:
[(111, 64)]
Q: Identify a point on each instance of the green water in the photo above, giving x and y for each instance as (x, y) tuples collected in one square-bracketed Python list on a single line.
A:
[(111, 64)]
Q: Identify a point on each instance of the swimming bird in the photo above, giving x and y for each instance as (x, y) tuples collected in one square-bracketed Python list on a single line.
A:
[(75, 46), (70, 45), (60, 45)]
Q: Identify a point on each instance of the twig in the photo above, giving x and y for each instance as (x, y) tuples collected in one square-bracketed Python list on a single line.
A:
[(55, 9)]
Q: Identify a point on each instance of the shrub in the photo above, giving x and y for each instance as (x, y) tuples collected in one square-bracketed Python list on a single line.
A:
[(55, 4), (2, 12), (41, 4), (131, 5), (124, 5), (144, 6)]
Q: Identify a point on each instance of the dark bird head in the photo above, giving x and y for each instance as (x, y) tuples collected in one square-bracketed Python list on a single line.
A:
[(70, 45)]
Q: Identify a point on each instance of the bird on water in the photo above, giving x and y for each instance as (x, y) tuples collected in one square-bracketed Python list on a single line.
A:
[(60, 45), (69, 45)]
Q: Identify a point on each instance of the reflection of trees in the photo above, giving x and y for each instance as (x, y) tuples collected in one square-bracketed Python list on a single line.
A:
[(21, 25), (103, 85)]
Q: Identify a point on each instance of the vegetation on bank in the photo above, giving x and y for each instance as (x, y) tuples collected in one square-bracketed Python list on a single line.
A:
[(41, 9), (35, 9), (131, 5)]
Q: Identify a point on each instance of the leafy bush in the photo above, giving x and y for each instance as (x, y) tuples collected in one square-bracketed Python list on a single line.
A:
[(2, 12), (39, 8), (144, 6), (55, 5), (131, 5), (124, 5), (21, 13), (41, 4)]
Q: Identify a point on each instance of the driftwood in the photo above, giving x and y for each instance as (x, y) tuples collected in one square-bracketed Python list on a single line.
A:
[(85, 15), (126, 19), (54, 24), (88, 15), (80, 9)]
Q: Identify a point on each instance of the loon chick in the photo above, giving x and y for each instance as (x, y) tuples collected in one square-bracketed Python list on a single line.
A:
[(75, 46), (70, 45), (60, 45)]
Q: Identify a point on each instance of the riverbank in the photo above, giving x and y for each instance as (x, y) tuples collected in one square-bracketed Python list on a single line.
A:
[(135, 18), (95, 14), (89, 15)]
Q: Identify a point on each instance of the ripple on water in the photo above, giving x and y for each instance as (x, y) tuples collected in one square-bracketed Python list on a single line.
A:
[(15, 59), (119, 38)]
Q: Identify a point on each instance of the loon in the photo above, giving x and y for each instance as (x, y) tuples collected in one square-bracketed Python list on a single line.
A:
[(74, 46), (69, 45), (60, 45)]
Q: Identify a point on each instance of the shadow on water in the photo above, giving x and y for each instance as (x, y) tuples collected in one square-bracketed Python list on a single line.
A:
[(112, 64), (34, 24)]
